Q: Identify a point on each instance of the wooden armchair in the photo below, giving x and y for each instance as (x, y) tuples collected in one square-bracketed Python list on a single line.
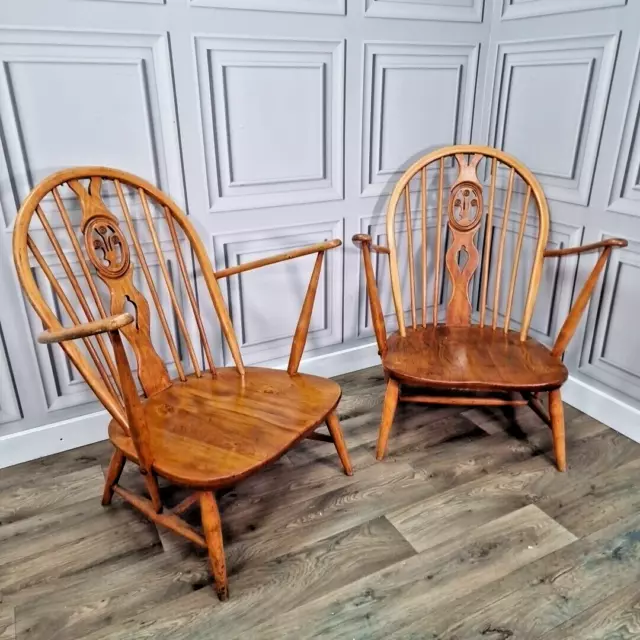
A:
[(455, 353), (195, 425)]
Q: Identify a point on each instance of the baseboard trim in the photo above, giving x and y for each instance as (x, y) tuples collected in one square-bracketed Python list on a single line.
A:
[(611, 411), (56, 437), (61, 436)]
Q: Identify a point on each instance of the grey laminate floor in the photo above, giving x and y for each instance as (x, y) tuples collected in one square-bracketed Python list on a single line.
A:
[(466, 530)]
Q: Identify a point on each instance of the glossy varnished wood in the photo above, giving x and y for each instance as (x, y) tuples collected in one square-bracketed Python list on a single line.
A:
[(473, 358), (210, 432), (463, 532), (473, 350), (203, 430)]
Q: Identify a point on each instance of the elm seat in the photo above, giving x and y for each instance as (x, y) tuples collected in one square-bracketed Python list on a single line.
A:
[(472, 358), (469, 226), (193, 425), (230, 427)]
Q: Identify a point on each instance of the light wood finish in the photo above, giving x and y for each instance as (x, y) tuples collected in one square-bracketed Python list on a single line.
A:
[(556, 413), (472, 358), (503, 238), (85, 330), (333, 425), (571, 323), (463, 532), (424, 194), (463, 401), (257, 418), (208, 428), (112, 476), (364, 238), (412, 277), (281, 257), (469, 351), (516, 259), (391, 397), (465, 215), (585, 248), (302, 328), (377, 315), (436, 279), (487, 241), (213, 535)]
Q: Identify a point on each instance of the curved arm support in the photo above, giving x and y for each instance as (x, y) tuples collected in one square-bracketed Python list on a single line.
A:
[(573, 318), (302, 328), (104, 325), (281, 257), (586, 248), (377, 316)]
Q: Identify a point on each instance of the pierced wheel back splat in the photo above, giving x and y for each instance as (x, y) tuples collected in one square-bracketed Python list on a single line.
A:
[(465, 215), (108, 252), (458, 199)]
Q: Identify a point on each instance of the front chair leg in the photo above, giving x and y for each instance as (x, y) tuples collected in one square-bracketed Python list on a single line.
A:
[(556, 412), (213, 535), (338, 439), (388, 412), (113, 475)]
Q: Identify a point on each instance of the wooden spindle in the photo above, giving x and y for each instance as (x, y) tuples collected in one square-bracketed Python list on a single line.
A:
[(62, 296), (89, 279), (190, 292), (503, 238), (516, 259), (302, 329), (423, 218), (149, 279), (167, 278), (436, 282), (80, 296), (488, 236), (412, 276)]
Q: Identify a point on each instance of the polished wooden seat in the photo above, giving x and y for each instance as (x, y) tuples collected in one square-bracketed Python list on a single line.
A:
[(211, 432), (472, 358), (92, 239), (448, 222)]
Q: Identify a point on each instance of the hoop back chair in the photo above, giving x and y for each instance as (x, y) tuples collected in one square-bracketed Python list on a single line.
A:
[(92, 247), (458, 206)]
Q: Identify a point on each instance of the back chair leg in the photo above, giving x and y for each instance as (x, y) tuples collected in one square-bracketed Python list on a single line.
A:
[(388, 412), (556, 412), (338, 439), (213, 535), (116, 465)]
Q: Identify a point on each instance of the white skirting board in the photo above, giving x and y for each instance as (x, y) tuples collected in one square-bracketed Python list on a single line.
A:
[(77, 432)]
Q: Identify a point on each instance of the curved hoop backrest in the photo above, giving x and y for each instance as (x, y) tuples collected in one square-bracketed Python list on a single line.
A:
[(431, 186), (90, 242)]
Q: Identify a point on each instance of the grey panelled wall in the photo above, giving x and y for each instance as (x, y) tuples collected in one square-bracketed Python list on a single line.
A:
[(278, 123)]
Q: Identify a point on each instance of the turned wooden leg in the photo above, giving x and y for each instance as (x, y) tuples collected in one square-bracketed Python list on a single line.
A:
[(388, 411), (113, 475), (213, 535), (338, 439), (556, 413)]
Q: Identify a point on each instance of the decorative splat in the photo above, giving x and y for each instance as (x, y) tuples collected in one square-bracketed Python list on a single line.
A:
[(108, 252), (462, 259)]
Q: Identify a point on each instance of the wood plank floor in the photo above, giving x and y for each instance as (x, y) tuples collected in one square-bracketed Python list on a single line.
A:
[(465, 531)]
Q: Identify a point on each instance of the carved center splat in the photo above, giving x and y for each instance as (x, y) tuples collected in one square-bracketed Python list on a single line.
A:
[(108, 252), (465, 214), (106, 247)]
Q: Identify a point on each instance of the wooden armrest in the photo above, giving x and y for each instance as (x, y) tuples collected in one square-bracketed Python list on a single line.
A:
[(281, 257), (112, 323), (377, 315), (594, 246), (366, 239), (580, 304)]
